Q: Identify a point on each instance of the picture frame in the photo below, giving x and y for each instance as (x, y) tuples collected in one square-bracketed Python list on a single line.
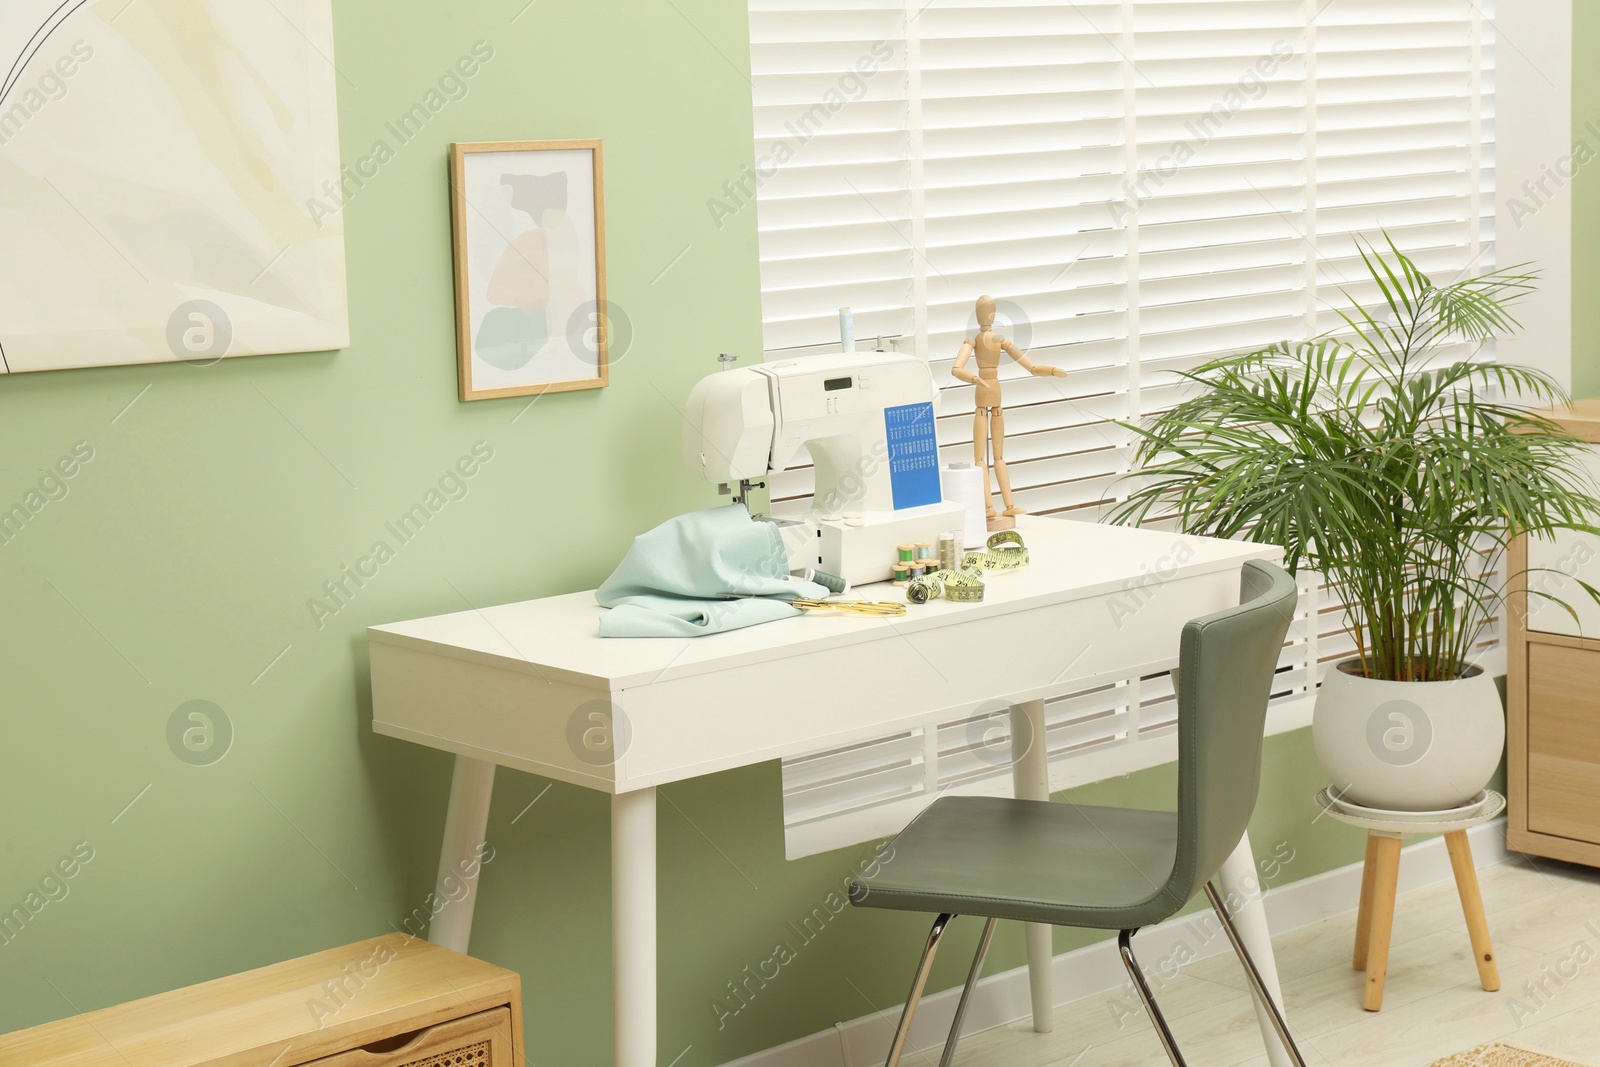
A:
[(226, 237), (528, 237)]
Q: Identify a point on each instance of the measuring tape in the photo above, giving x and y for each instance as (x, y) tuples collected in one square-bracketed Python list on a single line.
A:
[(960, 586), (1005, 552)]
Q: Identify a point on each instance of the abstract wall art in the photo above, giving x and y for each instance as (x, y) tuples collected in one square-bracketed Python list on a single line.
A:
[(161, 163), (530, 268)]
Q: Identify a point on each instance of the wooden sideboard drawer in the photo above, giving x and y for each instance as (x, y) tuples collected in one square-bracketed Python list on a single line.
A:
[(1563, 750), (481, 1040)]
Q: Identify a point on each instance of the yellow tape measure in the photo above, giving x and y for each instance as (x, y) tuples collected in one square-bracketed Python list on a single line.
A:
[(1004, 552), (960, 586)]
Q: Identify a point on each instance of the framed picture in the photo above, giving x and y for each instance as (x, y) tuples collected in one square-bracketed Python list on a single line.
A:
[(165, 177), (530, 262)]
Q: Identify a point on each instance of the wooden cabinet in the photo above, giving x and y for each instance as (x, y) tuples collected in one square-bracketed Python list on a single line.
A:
[(391, 1002), (1553, 685), (1563, 741)]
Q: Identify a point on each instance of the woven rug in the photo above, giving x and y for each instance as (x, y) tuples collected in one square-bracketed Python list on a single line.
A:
[(1503, 1056)]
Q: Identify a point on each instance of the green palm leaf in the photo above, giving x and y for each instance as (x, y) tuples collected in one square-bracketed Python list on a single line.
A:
[(1383, 456)]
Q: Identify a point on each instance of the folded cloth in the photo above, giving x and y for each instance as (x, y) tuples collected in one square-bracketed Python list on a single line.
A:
[(675, 579)]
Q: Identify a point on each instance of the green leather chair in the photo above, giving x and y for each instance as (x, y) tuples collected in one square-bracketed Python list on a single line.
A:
[(1109, 868)]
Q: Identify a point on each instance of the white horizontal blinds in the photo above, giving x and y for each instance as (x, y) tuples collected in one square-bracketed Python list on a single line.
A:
[(989, 166), (982, 146), (832, 165), (1144, 184), (1404, 140), (1220, 193), (1024, 133), (848, 779), (1484, 140)]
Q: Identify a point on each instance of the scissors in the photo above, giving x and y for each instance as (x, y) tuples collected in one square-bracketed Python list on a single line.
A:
[(882, 608)]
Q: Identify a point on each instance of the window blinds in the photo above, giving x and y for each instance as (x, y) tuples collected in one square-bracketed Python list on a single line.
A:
[(1143, 184)]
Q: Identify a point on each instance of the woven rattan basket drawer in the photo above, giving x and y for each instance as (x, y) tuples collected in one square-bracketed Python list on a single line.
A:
[(481, 1040)]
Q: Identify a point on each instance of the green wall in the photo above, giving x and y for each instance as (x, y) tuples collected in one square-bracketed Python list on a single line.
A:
[(180, 563)]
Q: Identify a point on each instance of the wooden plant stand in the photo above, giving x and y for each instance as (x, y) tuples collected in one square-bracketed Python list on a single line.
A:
[(1380, 876)]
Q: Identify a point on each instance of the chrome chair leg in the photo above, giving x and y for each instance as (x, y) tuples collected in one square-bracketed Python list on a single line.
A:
[(1125, 943), (1278, 1022), (966, 994), (904, 1030)]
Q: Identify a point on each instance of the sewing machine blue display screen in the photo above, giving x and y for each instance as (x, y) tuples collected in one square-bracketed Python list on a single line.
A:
[(913, 455)]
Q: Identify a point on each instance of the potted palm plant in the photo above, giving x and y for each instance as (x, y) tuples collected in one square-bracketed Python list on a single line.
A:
[(1386, 456)]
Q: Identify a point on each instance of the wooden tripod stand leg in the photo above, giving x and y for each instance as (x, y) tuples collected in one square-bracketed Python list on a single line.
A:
[(1369, 874), (1472, 906), (1386, 877)]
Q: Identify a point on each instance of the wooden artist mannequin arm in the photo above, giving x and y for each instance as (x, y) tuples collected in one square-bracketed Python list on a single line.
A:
[(960, 369), (1038, 370)]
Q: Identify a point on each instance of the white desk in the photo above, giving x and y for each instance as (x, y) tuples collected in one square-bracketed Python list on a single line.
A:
[(533, 687)]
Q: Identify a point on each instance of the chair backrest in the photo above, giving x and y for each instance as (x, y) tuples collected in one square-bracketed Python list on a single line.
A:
[(1226, 663)]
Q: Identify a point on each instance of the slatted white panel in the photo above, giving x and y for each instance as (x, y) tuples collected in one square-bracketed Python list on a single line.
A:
[(833, 159), (1404, 139), (1144, 184)]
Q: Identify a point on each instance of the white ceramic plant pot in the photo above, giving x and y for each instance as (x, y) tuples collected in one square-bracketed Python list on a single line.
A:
[(1408, 746)]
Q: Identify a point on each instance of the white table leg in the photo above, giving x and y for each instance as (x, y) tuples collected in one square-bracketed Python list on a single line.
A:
[(633, 928), (466, 823), (1241, 891), (1030, 780)]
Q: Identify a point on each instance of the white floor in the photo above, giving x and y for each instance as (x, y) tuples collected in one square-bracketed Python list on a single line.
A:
[(1545, 921)]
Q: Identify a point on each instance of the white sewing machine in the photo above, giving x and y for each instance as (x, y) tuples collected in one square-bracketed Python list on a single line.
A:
[(866, 418)]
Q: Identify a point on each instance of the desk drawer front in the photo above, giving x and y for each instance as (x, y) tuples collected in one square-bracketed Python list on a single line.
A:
[(518, 718), (689, 726)]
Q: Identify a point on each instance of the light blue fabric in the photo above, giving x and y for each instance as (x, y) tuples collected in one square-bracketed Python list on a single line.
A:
[(673, 580)]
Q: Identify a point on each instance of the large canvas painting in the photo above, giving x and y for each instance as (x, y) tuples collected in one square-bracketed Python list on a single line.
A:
[(531, 311), (170, 186)]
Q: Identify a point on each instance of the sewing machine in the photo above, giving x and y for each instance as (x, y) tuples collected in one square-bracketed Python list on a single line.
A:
[(866, 420)]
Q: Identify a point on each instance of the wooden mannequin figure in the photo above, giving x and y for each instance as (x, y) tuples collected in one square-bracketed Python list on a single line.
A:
[(989, 417)]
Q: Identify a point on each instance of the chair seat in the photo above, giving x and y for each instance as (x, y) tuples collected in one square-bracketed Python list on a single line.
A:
[(1032, 860)]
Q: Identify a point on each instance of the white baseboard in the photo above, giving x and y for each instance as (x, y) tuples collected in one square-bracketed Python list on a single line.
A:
[(1095, 969)]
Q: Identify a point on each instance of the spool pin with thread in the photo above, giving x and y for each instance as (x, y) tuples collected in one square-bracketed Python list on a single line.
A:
[(831, 582), (963, 483)]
